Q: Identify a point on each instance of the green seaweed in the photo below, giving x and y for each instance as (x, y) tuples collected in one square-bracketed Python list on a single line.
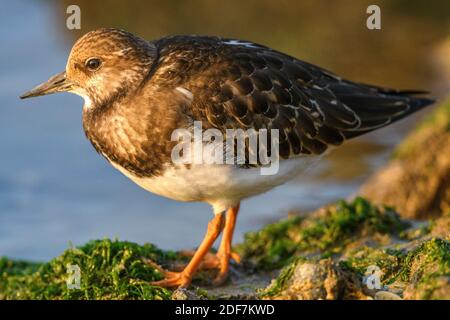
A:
[(272, 246), (17, 267), (112, 269), (388, 260), (422, 267), (109, 270), (418, 232), (277, 244), (279, 283), (429, 260)]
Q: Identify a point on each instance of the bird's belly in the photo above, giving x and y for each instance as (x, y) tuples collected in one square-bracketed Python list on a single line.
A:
[(220, 185)]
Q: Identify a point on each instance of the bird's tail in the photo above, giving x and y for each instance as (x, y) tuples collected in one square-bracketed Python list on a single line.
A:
[(377, 107)]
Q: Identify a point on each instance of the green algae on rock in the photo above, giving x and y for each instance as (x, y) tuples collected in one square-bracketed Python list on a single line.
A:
[(313, 279), (109, 270), (427, 271), (422, 272), (17, 267), (323, 256), (388, 260), (281, 281), (325, 232), (441, 227)]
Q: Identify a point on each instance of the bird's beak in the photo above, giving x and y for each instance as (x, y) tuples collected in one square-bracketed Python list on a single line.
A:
[(57, 83)]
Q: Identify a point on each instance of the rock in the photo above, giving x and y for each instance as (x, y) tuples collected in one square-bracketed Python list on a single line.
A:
[(328, 231), (417, 181), (427, 271), (441, 63), (312, 281), (441, 227), (436, 289), (420, 271), (308, 281), (415, 267), (185, 294), (386, 295)]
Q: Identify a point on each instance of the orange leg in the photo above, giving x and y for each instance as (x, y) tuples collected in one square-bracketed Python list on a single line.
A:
[(224, 253), (221, 260), (184, 278)]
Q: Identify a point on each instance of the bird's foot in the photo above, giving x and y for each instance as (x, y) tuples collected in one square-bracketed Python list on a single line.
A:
[(219, 260), (183, 279), (171, 278)]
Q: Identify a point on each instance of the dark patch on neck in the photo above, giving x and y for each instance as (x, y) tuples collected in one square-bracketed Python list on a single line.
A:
[(151, 70), (116, 97), (140, 142)]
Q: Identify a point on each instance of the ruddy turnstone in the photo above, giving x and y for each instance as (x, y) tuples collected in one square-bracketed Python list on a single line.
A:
[(137, 93)]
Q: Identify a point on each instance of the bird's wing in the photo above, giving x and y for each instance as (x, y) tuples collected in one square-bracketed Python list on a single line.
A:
[(236, 84)]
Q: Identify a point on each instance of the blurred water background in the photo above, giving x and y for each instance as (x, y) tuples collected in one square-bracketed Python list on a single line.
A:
[(55, 189)]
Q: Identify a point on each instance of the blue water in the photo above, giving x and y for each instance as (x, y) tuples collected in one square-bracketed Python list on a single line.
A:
[(55, 189)]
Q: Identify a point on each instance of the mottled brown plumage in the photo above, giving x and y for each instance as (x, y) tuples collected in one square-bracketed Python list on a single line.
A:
[(137, 93), (235, 84)]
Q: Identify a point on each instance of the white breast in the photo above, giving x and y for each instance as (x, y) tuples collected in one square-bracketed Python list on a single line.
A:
[(221, 186)]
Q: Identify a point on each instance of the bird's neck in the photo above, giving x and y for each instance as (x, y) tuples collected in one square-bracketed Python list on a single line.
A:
[(134, 132)]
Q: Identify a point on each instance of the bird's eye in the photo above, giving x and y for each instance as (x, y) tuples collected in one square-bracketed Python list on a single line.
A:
[(93, 64)]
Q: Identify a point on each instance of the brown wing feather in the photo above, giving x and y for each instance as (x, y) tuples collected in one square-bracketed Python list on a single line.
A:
[(245, 85)]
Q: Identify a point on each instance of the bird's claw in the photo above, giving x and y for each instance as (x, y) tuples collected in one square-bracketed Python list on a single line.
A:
[(171, 279), (219, 261)]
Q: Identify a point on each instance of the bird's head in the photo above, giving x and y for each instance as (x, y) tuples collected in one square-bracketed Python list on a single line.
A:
[(102, 65)]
